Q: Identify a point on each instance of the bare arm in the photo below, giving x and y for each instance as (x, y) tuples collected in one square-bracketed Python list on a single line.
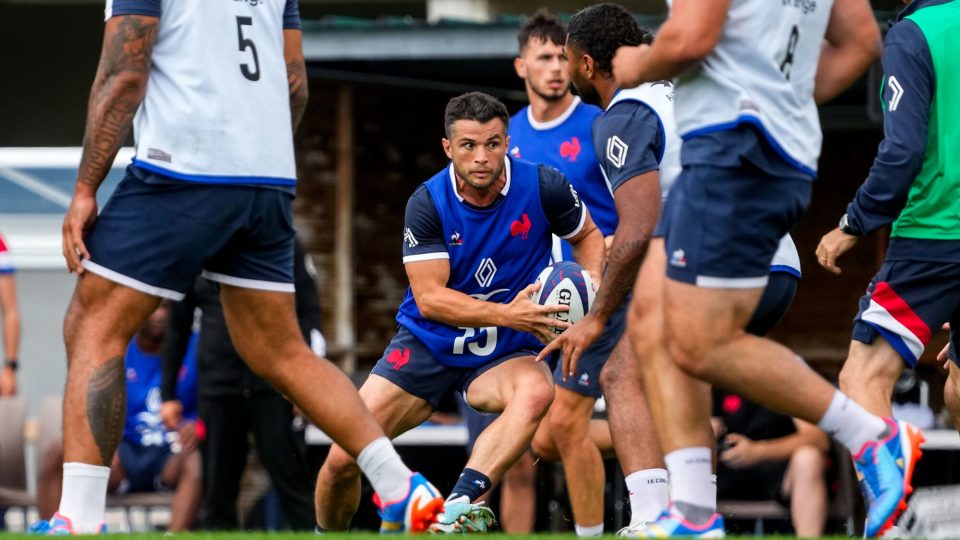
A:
[(11, 316), (296, 74), (437, 302), (685, 38), (11, 333), (117, 92), (851, 44), (638, 208), (782, 448), (589, 247)]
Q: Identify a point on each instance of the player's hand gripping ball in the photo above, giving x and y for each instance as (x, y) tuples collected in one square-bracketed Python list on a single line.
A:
[(565, 283)]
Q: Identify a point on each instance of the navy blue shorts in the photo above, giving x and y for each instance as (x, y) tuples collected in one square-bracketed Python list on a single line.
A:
[(143, 465), (774, 303), (156, 236), (409, 364), (907, 302), (586, 380), (724, 224)]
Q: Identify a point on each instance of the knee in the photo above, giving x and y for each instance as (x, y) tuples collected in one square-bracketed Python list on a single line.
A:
[(535, 394), (567, 425), (807, 462), (543, 444), (339, 467), (690, 356)]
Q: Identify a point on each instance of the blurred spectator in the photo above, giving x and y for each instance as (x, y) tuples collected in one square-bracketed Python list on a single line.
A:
[(763, 455), (233, 401), (150, 457), (10, 316)]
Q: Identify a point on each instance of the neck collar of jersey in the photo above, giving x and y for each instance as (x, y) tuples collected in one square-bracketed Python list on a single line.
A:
[(550, 124), (503, 192)]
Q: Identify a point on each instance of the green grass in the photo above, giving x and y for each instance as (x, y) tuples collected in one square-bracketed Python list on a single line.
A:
[(357, 536)]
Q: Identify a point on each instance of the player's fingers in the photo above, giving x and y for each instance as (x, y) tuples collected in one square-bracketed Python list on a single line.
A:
[(942, 356), (70, 251), (562, 325), (548, 350), (574, 360), (553, 308)]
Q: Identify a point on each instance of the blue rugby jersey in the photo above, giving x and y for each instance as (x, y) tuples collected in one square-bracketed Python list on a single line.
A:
[(143, 425), (494, 252), (566, 144)]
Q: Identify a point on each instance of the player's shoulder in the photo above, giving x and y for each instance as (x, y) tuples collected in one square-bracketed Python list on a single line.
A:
[(905, 32), (520, 119)]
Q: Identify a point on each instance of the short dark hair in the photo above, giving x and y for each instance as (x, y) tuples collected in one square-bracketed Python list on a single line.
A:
[(475, 106), (601, 29), (542, 26)]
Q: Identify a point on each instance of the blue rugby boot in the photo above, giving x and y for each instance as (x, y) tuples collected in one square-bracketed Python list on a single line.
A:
[(413, 513), (885, 470)]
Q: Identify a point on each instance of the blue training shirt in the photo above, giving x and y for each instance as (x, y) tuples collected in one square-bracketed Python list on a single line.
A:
[(494, 252), (143, 426), (566, 144)]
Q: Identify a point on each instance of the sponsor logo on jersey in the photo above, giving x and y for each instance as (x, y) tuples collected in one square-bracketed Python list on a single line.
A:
[(584, 379), (569, 150), (131, 375), (485, 272), (896, 93), (456, 239), (409, 238), (515, 152), (521, 227), (159, 155), (678, 259), (397, 358), (617, 151)]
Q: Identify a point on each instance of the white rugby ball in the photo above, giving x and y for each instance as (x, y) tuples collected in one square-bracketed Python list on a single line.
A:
[(565, 283)]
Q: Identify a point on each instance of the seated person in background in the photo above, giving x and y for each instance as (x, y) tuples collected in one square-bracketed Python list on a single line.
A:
[(763, 455), (150, 458)]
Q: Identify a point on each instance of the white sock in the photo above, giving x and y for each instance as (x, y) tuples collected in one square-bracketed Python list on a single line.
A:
[(713, 489), (84, 497), (649, 494), (849, 423), (385, 470), (595, 530), (690, 471)]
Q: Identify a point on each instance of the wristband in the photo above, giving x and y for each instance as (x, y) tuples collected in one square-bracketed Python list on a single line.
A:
[(12, 363)]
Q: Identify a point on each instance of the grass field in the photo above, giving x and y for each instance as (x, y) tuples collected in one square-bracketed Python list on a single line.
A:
[(356, 536)]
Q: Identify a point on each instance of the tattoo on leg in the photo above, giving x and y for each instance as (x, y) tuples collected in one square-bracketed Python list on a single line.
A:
[(107, 406)]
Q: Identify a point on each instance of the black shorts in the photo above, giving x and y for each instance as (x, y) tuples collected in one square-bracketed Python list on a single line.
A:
[(143, 466), (774, 303)]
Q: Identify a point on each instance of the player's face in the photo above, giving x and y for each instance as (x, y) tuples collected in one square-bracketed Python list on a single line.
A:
[(543, 66), (477, 151), (579, 69)]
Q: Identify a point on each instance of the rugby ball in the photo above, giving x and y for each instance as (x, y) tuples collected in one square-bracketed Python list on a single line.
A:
[(565, 283)]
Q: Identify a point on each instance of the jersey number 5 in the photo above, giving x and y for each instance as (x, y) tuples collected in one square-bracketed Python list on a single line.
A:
[(247, 43)]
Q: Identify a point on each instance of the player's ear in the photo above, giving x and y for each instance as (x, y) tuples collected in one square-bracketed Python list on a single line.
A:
[(446, 147), (520, 67), (589, 67)]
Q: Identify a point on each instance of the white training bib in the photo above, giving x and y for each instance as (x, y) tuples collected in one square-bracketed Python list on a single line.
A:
[(762, 72), (659, 97), (217, 106)]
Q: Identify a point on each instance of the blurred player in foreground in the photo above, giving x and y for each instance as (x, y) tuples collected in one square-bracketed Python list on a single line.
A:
[(746, 107), (213, 91), (476, 236)]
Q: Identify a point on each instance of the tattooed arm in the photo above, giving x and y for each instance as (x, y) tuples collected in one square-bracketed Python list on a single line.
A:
[(296, 74), (117, 92)]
